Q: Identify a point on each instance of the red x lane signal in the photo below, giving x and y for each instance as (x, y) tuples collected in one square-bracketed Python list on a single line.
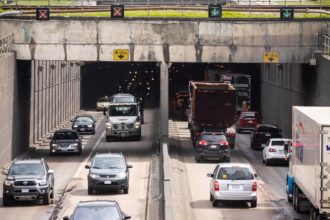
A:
[(117, 11), (42, 13)]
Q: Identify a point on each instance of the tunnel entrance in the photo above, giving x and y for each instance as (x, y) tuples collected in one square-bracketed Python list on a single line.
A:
[(181, 73), (98, 79)]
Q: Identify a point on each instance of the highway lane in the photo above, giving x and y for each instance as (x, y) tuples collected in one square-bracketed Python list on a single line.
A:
[(190, 185), (70, 178)]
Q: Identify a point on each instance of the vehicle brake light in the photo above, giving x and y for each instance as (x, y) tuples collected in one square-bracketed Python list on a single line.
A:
[(202, 143), (216, 186), (254, 186), (224, 143), (272, 150)]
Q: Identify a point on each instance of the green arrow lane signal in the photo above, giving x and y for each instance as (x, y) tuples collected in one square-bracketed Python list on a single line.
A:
[(287, 13), (215, 11)]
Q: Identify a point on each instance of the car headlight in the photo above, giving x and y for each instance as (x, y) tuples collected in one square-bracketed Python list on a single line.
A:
[(137, 125), (89, 126), (9, 182), (75, 126), (108, 125), (94, 176), (54, 145), (42, 182), (74, 145), (121, 175)]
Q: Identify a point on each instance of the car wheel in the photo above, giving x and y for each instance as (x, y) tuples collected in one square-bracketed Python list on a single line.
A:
[(126, 190), (138, 138), (254, 203), (46, 199), (267, 162), (214, 203), (90, 191), (93, 132), (52, 194), (5, 200), (107, 138), (211, 197)]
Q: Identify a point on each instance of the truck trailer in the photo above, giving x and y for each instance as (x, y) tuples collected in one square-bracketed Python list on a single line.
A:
[(308, 179), (213, 107)]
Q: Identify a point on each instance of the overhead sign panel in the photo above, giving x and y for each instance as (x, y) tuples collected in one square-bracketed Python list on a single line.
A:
[(117, 11), (287, 13), (215, 11), (42, 14), (271, 57), (120, 54)]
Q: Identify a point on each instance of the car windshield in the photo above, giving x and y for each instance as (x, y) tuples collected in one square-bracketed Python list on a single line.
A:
[(83, 119), (27, 169), (277, 143), (65, 136), (124, 99), (108, 163), (103, 99), (235, 173), (123, 110), (97, 213), (215, 138)]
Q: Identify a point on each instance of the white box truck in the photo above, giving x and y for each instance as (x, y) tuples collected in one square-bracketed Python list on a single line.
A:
[(308, 179)]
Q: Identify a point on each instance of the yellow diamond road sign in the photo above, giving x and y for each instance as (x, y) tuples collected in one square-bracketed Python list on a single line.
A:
[(120, 54), (271, 57)]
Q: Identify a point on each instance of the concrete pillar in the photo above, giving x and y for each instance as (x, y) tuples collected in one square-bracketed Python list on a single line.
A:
[(164, 99)]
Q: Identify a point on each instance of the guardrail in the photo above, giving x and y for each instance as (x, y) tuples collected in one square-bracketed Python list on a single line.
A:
[(319, 3), (6, 44)]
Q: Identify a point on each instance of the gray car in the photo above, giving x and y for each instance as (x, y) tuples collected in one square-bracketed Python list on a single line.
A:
[(108, 171), (233, 182)]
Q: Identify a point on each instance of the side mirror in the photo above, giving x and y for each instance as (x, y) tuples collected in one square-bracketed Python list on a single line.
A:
[(129, 166), (66, 218), (5, 172), (50, 137), (50, 171), (71, 120), (255, 175), (210, 174), (127, 216), (263, 145), (87, 166), (81, 137)]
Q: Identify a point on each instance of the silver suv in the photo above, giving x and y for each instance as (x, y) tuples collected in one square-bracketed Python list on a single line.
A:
[(108, 171), (28, 180)]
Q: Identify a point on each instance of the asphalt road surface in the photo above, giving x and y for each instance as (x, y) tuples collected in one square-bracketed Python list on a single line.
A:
[(71, 176), (190, 185)]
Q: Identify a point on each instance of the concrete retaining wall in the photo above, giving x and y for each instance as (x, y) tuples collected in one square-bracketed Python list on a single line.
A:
[(226, 41), (55, 95), (7, 91)]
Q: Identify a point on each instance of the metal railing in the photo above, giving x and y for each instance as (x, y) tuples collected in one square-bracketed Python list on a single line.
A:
[(6, 44), (326, 44)]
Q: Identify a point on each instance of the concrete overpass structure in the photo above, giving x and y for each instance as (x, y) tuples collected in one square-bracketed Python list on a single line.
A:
[(50, 54)]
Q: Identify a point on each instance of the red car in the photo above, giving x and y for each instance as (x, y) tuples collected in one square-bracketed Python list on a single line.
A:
[(248, 121)]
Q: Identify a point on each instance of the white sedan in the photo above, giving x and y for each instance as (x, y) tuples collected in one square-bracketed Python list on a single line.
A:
[(276, 151)]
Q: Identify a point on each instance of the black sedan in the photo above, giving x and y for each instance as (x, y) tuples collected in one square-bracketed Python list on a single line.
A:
[(65, 141), (84, 124), (99, 209), (262, 134)]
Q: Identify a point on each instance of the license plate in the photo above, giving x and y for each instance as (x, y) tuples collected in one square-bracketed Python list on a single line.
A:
[(267, 135), (236, 187), (250, 121), (25, 190), (82, 129), (107, 182), (123, 134), (213, 146)]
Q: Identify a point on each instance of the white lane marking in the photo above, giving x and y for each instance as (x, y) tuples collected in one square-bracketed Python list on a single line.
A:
[(89, 156)]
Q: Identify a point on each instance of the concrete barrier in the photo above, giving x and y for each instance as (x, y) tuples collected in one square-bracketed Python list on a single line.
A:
[(168, 212)]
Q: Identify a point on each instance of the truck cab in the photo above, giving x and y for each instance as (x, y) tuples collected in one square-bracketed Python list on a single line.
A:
[(124, 117)]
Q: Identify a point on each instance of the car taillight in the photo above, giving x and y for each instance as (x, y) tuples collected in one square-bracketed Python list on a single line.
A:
[(230, 135), (242, 121), (224, 143), (204, 143), (272, 150), (216, 186), (254, 187)]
